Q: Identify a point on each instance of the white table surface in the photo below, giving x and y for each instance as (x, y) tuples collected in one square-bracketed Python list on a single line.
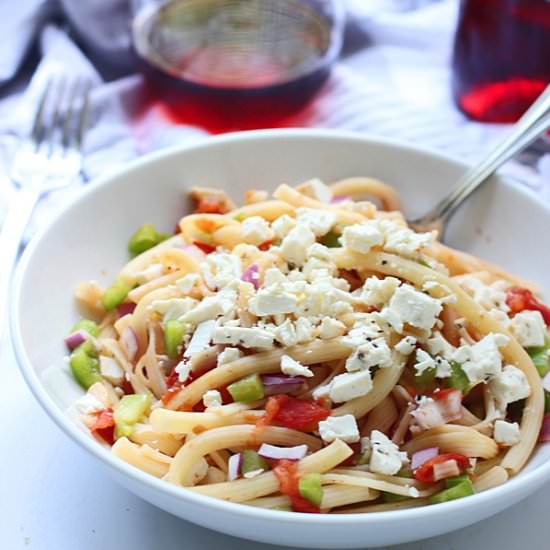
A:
[(54, 497)]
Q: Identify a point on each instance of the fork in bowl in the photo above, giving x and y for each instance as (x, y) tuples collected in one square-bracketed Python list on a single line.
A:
[(49, 159)]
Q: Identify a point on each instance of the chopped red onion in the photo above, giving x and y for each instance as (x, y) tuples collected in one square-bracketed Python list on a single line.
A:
[(422, 456), (201, 338), (281, 383), (234, 466), (75, 339), (126, 308), (129, 342), (195, 252), (546, 382), (282, 453), (545, 429), (340, 198), (252, 275)]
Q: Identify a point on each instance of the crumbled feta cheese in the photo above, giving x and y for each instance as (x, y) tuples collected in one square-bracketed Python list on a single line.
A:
[(188, 282), (255, 230), (319, 251), (362, 237), (437, 345), (487, 296), (212, 398), (149, 273), (509, 386), (272, 300), (220, 269), (319, 222), (183, 368), (294, 368), (364, 329), (339, 427), (89, 404), (283, 225), (253, 473), (304, 330), (318, 190), (111, 370), (415, 308), (286, 334), (321, 392), (370, 354), (483, 359), (385, 458), (377, 292), (246, 337), (529, 328), (442, 368), (506, 433), (295, 245), (405, 242), (273, 276), (393, 319), (228, 355), (406, 346), (314, 268), (331, 328), (424, 361), (210, 308), (350, 385), (174, 308)]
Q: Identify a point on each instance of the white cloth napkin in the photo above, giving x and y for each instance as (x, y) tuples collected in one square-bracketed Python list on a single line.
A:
[(393, 80)]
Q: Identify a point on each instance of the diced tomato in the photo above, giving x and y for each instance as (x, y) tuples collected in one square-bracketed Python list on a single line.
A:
[(199, 407), (171, 379), (519, 299), (171, 392), (266, 245), (211, 205), (441, 394), (206, 248), (294, 413), (104, 426), (288, 477), (425, 473), (226, 396), (177, 229), (127, 387)]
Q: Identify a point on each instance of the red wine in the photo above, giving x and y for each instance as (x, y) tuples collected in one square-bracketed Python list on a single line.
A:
[(501, 61)]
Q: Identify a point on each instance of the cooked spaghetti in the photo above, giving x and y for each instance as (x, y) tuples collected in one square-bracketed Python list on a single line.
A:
[(310, 352)]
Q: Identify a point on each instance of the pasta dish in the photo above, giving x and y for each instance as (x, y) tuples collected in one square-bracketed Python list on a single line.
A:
[(310, 352)]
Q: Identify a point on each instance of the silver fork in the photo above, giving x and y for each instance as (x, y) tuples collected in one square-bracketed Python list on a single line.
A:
[(48, 160)]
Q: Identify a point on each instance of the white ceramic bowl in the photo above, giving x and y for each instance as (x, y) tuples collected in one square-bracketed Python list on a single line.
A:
[(87, 240)]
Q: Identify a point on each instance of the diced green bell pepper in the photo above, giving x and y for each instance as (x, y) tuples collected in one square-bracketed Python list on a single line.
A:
[(251, 461), (128, 411), (115, 295), (84, 367), (455, 480), (173, 337), (91, 327), (144, 238), (391, 497), (458, 379), (462, 489), (426, 380), (331, 240), (546, 402), (311, 489), (540, 357), (283, 508), (247, 389)]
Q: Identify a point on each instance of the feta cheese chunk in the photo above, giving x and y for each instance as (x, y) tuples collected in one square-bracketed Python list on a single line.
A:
[(286, 333), (385, 458), (506, 433), (350, 385), (371, 354), (273, 276), (272, 301), (377, 292), (111, 370), (482, 360), (255, 230), (319, 222), (210, 308), (487, 296), (183, 368), (304, 330), (529, 328), (212, 398), (321, 392), (228, 355), (319, 251), (406, 345), (415, 308), (89, 404), (294, 368), (283, 225), (339, 427), (362, 237), (246, 337), (188, 282), (437, 345), (220, 269), (405, 242), (509, 386), (295, 245), (317, 190), (173, 309), (424, 361), (331, 328)]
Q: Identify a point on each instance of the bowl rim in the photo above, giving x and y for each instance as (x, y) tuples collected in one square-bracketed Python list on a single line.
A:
[(527, 480)]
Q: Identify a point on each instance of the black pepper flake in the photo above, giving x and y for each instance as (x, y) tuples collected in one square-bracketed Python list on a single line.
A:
[(384, 262)]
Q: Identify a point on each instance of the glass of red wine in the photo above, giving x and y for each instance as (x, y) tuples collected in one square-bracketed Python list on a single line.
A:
[(237, 64), (501, 60)]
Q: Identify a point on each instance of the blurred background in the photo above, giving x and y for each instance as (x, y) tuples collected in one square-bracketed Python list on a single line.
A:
[(449, 75)]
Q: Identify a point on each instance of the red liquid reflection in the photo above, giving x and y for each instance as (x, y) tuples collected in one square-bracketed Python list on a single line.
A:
[(502, 57)]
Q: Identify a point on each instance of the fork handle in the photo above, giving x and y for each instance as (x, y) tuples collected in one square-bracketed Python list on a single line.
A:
[(19, 212)]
